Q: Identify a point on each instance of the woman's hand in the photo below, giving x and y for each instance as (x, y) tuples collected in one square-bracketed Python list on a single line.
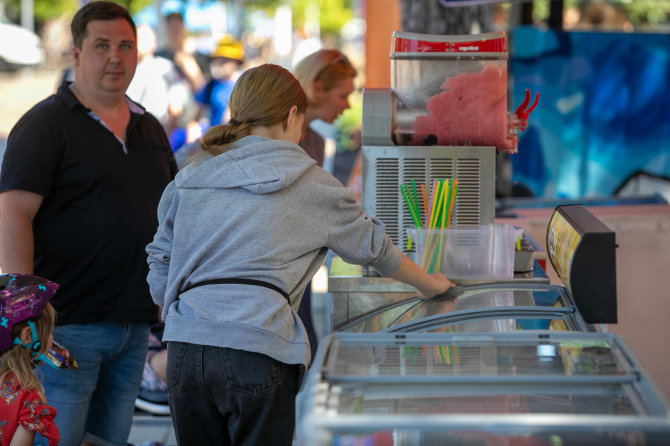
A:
[(429, 285), (437, 284)]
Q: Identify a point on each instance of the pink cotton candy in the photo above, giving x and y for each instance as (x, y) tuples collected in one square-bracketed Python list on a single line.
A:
[(472, 110)]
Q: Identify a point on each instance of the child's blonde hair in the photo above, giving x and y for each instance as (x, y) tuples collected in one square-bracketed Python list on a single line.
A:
[(22, 361)]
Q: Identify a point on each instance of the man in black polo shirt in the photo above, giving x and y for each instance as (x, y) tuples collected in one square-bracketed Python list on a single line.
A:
[(81, 179)]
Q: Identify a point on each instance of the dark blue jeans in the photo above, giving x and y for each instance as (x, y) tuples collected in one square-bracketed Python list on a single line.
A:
[(222, 396), (96, 403)]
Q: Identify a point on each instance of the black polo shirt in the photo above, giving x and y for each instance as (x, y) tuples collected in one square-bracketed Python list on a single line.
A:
[(99, 208)]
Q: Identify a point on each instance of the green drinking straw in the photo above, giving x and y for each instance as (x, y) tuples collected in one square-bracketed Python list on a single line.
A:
[(436, 204), (447, 195), (427, 261), (417, 223), (452, 202), (440, 247), (416, 199), (415, 207)]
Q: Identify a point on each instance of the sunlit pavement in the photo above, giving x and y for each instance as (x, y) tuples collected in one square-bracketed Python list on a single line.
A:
[(22, 89), (151, 428)]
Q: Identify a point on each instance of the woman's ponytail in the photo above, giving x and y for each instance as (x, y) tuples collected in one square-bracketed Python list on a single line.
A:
[(216, 140), (262, 97)]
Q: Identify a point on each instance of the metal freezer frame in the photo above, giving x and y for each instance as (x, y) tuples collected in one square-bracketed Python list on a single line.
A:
[(318, 418)]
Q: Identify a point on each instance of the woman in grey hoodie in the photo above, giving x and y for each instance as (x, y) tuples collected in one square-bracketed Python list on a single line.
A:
[(242, 230)]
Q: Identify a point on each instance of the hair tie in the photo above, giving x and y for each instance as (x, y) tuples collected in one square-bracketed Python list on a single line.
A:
[(233, 121)]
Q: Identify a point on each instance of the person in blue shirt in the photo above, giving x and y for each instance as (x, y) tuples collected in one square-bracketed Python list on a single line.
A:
[(225, 69)]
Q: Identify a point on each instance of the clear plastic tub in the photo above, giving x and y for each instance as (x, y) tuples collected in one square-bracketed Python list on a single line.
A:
[(466, 252)]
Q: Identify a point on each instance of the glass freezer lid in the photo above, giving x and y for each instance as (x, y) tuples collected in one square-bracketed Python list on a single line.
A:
[(500, 301), (593, 399), (468, 357), (497, 373)]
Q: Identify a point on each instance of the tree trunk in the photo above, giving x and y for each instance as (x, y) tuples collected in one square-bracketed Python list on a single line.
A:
[(430, 17)]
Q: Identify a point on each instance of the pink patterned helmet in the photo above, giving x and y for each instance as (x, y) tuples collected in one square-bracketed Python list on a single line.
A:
[(22, 297)]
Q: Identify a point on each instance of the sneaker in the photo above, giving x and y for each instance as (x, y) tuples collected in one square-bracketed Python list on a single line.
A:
[(155, 403)]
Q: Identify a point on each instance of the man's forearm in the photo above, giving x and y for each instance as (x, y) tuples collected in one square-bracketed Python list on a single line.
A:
[(18, 208), (16, 245)]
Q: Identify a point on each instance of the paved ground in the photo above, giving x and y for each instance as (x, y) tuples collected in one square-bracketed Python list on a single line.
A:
[(151, 428), (20, 90)]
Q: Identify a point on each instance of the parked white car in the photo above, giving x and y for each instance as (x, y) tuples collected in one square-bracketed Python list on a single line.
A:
[(19, 47)]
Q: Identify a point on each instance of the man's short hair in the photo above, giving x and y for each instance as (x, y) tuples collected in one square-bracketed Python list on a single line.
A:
[(99, 10)]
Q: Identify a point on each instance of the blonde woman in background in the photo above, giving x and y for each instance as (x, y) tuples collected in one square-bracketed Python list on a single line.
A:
[(327, 77), (242, 230)]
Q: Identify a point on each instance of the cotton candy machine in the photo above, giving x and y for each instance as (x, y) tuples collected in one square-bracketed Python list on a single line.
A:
[(452, 90), (445, 116)]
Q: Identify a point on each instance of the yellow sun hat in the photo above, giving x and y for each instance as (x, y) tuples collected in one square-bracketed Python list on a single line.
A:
[(229, 47)]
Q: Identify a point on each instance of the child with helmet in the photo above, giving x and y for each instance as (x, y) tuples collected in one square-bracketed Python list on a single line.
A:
[(26, 326)]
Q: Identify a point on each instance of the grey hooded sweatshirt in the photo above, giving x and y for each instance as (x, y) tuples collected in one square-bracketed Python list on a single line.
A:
[(263, 211)]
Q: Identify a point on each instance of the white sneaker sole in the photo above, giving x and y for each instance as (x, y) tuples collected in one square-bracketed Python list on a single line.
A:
[(153, 408)]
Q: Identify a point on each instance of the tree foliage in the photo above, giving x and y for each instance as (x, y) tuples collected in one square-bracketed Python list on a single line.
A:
[(333, 14), (49, 9)]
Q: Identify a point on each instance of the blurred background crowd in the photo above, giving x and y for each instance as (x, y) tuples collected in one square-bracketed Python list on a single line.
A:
[(191, 52)]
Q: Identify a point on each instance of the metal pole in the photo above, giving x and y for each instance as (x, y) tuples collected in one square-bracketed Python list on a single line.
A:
[(27, 15), (161, 32), (556, 14)]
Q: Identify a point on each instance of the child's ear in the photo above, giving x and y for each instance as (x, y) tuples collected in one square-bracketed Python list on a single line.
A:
[(25, 336)]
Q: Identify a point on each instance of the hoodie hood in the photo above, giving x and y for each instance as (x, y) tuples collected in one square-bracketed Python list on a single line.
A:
[(255, 163)]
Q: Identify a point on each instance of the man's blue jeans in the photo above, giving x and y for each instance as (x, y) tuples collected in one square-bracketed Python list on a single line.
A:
[(97, 401), (222, 396)]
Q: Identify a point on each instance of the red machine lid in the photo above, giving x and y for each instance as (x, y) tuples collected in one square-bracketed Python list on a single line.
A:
[(430, 43)]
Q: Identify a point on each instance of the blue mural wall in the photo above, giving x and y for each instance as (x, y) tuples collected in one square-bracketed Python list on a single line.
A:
[(604, 110)]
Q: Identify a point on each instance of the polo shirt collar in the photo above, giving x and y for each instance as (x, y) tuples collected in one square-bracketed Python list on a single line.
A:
[(71, 101)]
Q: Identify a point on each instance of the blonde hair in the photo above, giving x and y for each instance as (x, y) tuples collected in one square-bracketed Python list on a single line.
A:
[(20, 360), (328, 66), (262, 96)]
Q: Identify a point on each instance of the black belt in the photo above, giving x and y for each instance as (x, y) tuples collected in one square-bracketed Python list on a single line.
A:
[(243, 282)]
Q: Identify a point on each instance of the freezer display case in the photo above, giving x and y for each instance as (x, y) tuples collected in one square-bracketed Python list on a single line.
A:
[(478, 308), (523, 388), (355, 296), (582, 251)]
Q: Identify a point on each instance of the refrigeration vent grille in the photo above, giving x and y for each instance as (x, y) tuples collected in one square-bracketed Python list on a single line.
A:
[(468, 173), (436, 360), (386, 168), (387, 186)]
